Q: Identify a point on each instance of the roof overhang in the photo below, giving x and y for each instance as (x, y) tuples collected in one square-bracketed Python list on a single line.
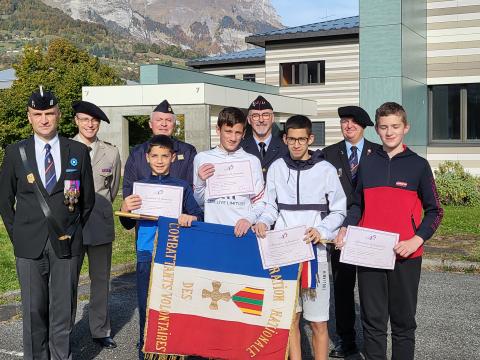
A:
[(261, 40), (205, 63), (192, 94)]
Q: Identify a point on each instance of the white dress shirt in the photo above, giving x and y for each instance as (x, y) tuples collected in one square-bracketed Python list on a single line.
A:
[(266, 141), (40, 156), (359, 146)]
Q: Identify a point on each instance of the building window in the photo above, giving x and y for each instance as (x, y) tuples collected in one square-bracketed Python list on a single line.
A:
[(318, 129), (249, 77), (304, 73), (455, 113), (229, 76)]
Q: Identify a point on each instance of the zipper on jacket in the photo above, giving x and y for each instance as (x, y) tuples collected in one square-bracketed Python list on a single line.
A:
[(413, 224), (298, 187), (388, 172)]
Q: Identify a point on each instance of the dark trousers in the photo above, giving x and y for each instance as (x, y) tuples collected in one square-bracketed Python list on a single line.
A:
[(143, 281), (99, 266), (344, 277), (390, 294), (49, 297)]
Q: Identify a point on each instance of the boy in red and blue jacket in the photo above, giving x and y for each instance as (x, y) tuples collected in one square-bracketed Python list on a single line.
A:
[(395, 186)]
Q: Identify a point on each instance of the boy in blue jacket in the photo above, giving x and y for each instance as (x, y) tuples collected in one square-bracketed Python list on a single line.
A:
[(160, 155)]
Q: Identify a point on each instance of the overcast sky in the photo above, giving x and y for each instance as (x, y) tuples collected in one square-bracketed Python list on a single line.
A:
[(301, 12)]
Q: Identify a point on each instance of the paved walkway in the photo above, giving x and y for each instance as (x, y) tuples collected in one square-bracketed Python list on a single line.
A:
[(448, 322)]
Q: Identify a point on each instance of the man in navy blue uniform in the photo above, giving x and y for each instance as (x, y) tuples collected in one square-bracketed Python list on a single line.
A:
[(162, 122), (262, 142)]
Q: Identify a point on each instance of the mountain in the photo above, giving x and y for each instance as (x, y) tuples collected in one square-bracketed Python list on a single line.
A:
[(31, 22), (205, 26)]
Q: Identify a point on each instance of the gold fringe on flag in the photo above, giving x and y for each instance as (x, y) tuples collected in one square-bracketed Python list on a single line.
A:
[(151, 356)]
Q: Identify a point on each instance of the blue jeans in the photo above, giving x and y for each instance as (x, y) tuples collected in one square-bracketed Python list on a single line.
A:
[(143, 280)]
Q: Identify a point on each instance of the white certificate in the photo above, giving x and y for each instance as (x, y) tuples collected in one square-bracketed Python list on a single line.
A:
[(285, 247), (159, 200), (369, 248), (230, 178)]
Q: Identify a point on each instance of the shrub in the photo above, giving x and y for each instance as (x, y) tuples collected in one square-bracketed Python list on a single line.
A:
[(456, 186)]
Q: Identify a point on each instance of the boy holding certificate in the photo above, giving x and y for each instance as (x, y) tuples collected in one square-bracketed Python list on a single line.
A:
[(160, 155), (241, 173), (395, 186), (303, 189)]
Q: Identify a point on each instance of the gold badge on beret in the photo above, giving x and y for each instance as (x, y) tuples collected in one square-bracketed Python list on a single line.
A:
[(180, 157)]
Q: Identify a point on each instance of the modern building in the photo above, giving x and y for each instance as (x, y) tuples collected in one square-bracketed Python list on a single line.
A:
[(196, 96), (424, 54)]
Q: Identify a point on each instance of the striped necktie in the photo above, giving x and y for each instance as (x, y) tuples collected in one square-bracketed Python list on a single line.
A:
[(353, 161), (50, 176), (263, 151)]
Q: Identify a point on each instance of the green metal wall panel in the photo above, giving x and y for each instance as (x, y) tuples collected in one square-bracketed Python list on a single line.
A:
[(393, 62), (414, 13), (380, 51), (380, 12)]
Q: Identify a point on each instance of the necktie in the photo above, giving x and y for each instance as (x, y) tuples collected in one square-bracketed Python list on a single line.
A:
[(353, 161), (262, 149), (50, 176)]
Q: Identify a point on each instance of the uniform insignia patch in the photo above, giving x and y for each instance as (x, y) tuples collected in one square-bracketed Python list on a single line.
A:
[(180, 157), (30, 178), (73, 162), (107, 170), (249, 300)]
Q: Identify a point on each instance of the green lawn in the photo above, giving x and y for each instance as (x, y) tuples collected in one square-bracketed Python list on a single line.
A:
[(123, 253), (457, 238)]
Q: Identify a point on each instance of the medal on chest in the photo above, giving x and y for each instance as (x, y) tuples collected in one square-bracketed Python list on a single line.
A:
[(71, 192)]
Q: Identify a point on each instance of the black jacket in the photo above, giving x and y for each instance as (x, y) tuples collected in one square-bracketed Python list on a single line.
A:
[(20, 210), (336, 155), (276, 149)]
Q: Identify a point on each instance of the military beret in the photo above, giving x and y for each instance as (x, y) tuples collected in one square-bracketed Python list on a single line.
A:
[(88, 108), (42, 99), (260, 103), (360, 116), (164, 107)]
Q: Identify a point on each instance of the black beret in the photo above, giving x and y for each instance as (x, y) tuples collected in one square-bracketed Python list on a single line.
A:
[(260, 103), (42, 99), (88, 108), (164, 107), (360, 116)]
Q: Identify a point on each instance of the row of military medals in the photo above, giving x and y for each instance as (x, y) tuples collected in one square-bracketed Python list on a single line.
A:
[(71, 193)]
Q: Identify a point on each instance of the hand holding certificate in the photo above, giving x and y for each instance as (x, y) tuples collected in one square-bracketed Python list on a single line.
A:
[(369, 248), (284, 247), (159, 200), (230, 178)]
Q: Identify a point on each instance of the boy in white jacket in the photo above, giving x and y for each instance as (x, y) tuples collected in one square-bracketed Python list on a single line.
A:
[(303, 189), (241, 211)]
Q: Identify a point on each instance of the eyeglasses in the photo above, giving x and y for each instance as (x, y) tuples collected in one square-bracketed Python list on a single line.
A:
[(301, 141), (86, 120), (264, 116)]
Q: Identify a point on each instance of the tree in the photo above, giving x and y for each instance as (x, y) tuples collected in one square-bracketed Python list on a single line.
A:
[(63, 69)]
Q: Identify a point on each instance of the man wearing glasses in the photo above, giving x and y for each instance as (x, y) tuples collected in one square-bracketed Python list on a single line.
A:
[(346, 156), (99, 231), (261, 142)]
